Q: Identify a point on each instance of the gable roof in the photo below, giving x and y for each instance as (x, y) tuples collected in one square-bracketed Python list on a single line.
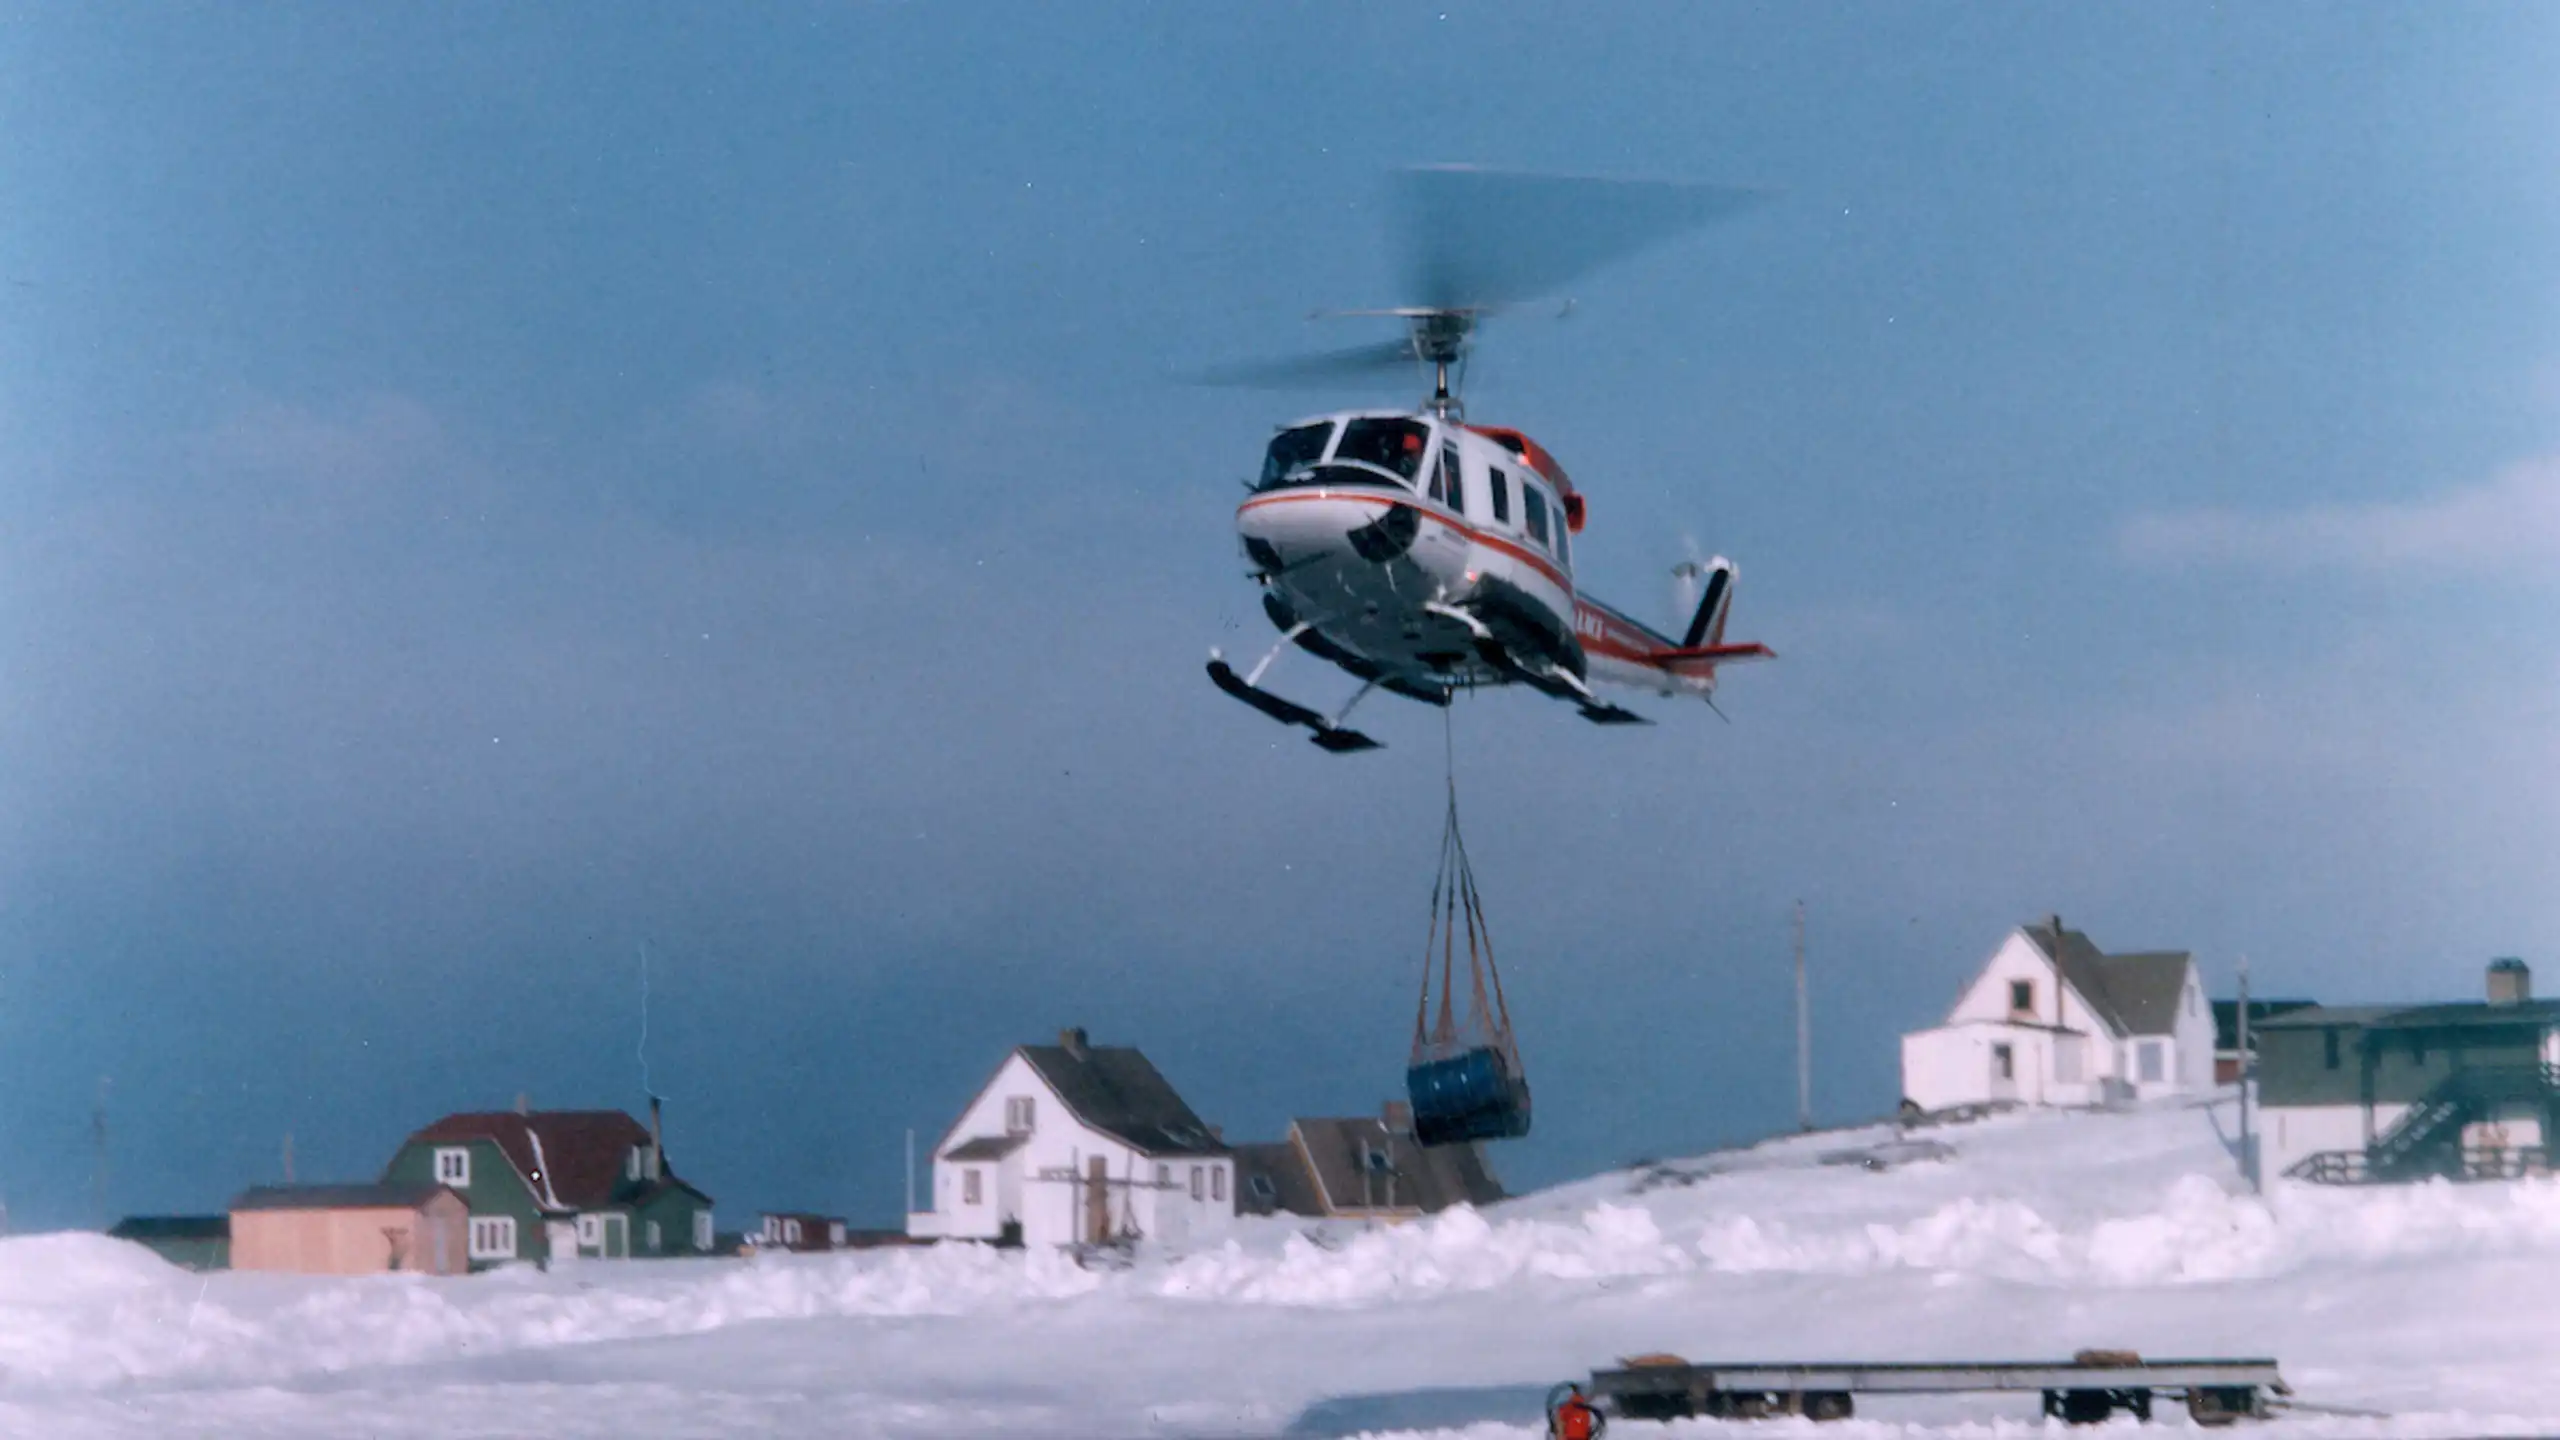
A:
[(1276, 1165), (573, 1159), (336, 1197), (1114, 1089), (2135, 994), (1398, 1173)]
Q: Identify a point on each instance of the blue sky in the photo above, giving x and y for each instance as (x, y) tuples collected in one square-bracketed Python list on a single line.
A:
[(490, 492)]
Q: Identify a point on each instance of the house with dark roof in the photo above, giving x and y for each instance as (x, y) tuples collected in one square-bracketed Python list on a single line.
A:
[(2382, 1093), (1078, 1144), (556, 1185), (1360, 1168), (2052, 1020), (193, 1242)]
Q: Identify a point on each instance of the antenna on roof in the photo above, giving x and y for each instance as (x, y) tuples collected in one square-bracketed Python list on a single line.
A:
[(642, 1050), (1804, 1035)]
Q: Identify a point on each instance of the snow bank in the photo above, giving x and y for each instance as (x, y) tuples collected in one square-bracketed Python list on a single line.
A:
[(2145, 1202)]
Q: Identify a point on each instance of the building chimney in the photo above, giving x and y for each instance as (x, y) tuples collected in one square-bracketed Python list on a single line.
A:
[(657, 1139), (1398, 1117), (1072, 1040), (524, 1103), (2510, 981)]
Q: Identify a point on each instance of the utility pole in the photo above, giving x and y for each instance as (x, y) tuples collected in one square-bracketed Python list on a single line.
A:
[(98, 1137), (288, 1157), (911, 1173), (2248, 1145), (1804, 1035)]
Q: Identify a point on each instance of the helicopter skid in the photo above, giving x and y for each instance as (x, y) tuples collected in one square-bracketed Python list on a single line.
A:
[(1328, 734)]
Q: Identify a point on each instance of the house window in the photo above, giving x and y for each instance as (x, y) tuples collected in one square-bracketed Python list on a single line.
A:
[(2329, 1049), (2153, 1062), (1261, 1187), (835, 1234), (2022, 996), (656, 1238), (453, 1167), (1218, 1182), (591, 1230), (2004, 1062), (493, 1238), (702, 1230), (631, 1164), (969, 1186), (1199, 1182), (1164, 1177), (1017, 1115), (772, 1231), (2066, 1059), (791, 1228)]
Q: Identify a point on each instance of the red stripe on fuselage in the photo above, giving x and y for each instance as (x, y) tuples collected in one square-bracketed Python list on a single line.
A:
[(1539, 562)]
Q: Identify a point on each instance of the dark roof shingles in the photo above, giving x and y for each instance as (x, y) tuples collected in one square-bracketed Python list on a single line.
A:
[(336, 1197), (2135, 994), (588, 1151), (1116, 1090)]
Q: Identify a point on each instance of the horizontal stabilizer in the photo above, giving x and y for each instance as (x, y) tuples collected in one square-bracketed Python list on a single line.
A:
[(1703, 659)]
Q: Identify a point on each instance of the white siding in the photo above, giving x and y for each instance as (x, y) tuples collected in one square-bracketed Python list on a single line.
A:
[(1043, 1182), (2063, 1054), (2290, 1133)]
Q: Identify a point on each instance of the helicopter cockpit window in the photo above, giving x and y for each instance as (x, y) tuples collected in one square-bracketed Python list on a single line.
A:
[(1391, 443), (1445, 485), (1293, 450), (1535, 505)]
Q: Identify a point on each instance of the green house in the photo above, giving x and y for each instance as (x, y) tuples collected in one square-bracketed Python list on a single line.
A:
[(196, 1242), (551, 1185)]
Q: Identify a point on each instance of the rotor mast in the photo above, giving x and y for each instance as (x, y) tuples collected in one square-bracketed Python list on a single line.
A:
[(1440, 336)]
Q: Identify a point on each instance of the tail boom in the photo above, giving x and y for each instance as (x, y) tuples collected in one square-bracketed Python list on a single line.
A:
[(1625, 651)]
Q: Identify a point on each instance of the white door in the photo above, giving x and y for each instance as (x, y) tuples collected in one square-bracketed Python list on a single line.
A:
[(2004, 1071)]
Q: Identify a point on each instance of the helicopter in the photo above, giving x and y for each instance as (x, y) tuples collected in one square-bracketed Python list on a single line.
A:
[(1425, 554)]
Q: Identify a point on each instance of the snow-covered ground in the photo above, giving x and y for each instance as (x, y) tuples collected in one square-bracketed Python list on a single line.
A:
[(2029, 1237)]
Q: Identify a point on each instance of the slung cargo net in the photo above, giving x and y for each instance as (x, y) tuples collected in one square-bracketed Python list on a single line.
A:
[(1465, 1078)]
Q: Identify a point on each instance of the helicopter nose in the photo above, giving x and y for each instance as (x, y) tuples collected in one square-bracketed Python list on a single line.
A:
[(1291, 529)]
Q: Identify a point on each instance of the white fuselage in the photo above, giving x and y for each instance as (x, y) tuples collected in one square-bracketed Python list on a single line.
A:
[(1417, 545)]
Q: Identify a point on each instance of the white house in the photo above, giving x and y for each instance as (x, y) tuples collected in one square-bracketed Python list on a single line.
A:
[(2052, 1021), (1076, 1143)]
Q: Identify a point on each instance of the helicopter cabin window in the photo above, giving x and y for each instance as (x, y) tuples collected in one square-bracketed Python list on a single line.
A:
[(1501, 494), (1293, 450), (1446, 485), (1391, 443), (1534, 505)]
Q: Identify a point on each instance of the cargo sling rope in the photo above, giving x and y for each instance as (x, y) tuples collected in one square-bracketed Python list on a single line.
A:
[(1465, 1079)]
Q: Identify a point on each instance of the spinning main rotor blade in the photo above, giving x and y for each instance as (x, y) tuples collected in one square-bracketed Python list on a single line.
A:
[(1325, 367), (1475, 239)]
